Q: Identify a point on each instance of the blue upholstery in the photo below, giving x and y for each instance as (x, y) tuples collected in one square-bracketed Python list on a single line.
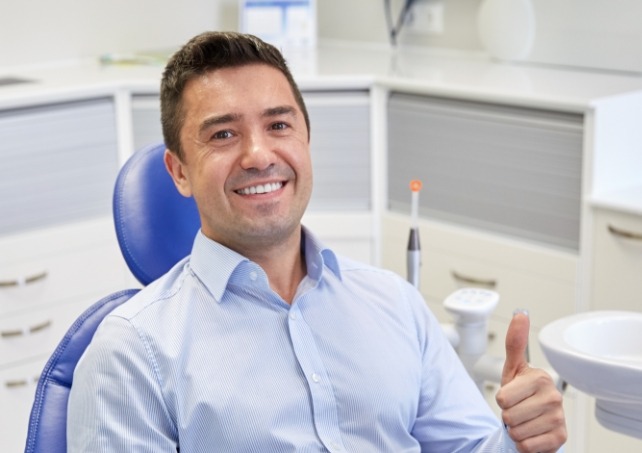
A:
[(155, 227), (155, 224), (48, 421)]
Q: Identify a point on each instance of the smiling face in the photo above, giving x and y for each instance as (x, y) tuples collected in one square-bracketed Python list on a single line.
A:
[(246, 157)]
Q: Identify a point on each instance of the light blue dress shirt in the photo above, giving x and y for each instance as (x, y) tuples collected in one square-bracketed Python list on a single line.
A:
[(209, 359)]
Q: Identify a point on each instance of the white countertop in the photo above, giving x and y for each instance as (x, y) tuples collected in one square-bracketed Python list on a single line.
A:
[(626, 200), (350, 66)]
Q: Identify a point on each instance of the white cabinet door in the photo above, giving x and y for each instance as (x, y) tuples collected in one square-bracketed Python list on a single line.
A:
[(617, 261), (58, 251), (83, 264), (529, 277), (59, 163), (17, 390), (510, 170)]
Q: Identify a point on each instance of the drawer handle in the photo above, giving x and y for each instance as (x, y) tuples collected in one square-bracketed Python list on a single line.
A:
[(29, 330), (16, 383), (23, 281), (624, 233), (11, 333), (39, 327), (474, 281)]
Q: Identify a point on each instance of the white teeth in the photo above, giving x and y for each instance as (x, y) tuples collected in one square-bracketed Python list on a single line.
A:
[(261, 188)]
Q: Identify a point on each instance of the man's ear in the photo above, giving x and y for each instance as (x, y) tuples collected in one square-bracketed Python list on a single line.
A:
[(176, 169)]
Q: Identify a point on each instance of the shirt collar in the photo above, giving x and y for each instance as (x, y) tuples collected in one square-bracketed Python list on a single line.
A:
[(318, 256), (214, 264)]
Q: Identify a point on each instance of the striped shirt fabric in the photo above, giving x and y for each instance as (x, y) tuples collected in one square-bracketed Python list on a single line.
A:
[(209, 359)]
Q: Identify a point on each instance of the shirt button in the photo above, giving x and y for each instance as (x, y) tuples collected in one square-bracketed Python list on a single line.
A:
[(292, 316), (253, 275), (335, 446), (316, 378)]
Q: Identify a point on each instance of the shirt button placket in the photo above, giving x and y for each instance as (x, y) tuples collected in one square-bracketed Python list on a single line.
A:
[(324, 405)]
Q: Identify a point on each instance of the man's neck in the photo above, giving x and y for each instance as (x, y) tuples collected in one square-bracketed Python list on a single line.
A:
[(284, 265)]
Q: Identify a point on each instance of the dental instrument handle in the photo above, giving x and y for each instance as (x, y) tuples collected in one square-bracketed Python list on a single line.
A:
[(413, 256)]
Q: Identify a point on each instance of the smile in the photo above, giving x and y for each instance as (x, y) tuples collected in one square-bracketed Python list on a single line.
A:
[(261, 188)]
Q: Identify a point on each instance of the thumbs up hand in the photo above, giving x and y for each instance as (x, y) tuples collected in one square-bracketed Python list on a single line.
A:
[(531, 404)]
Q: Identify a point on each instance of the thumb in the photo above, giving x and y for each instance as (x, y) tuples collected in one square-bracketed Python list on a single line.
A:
[(516, 346)]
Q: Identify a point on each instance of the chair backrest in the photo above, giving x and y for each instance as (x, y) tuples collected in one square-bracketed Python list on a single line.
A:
[(155, 224), (155, 227), (48, 421)]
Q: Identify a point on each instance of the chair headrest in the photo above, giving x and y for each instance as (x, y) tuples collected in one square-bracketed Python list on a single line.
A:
[(155, 224)]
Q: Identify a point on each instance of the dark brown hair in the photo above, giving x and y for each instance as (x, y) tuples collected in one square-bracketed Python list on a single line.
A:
[(207, 52)]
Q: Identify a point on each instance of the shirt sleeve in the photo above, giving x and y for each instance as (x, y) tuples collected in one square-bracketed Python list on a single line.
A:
[(452, 416), (116, 403)]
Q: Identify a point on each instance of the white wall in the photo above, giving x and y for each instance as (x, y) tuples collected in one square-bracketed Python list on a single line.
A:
[(602, 34), (589, 33), (39, 31)]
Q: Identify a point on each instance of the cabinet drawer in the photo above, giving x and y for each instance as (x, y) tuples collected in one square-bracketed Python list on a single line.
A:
[(617, 266), (37, 332), (534, 278), (17, 390), (59, 266)]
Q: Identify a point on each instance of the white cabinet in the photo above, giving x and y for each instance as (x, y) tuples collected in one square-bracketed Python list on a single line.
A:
[(17, 388), (539, 279), (616, 285), (58, 163), (515, 171), (506, 204), (146, 121), (617, 263), (58, 250), (77, 264), (500, 207), (526, 276)]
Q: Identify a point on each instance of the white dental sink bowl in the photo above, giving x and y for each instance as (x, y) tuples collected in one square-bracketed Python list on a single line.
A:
[(600, 353)]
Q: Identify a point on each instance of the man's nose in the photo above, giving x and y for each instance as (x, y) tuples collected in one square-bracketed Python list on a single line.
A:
[(257, 153)]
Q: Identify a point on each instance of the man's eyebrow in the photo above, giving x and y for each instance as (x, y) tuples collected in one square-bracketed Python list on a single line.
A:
[(280, 110), (219, 119)]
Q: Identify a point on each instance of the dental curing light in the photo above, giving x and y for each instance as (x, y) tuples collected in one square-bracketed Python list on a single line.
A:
[(413, 258)]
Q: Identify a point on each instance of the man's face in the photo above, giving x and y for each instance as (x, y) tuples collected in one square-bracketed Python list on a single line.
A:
[(246, 156)]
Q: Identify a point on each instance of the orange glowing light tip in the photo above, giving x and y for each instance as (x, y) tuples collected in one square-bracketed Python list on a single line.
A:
[(415, 185)]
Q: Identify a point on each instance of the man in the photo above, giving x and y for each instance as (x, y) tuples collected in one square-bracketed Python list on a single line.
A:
[(263, 340)]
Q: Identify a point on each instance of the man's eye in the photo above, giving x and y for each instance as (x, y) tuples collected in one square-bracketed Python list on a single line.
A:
[(279, 126), (221, 135)]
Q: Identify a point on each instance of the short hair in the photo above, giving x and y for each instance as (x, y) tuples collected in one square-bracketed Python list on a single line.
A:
[(207, 52)]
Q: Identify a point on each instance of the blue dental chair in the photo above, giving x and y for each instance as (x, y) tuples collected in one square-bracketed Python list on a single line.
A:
[(155, 227)]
